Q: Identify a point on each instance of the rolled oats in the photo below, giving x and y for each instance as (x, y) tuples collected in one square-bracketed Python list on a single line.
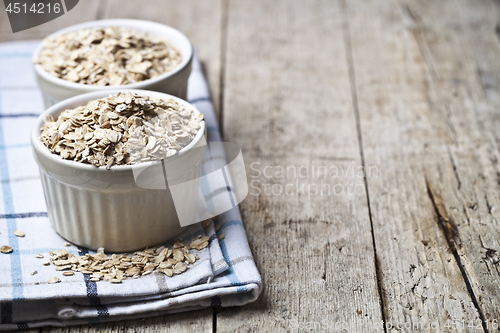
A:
[(5, 249), (179, 268), (19, 233), (53, 280), (190, 257), (167, 272), (200, 243), (108, 56), (119, 267), (121, 129)]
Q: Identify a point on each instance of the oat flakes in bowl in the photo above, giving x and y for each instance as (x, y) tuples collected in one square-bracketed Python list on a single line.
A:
[(121, 129), (112, 54), (108, 56), (129, 206)]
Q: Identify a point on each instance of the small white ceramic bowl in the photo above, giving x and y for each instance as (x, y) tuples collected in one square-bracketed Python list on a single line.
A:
[(94, 207), (174, 82)]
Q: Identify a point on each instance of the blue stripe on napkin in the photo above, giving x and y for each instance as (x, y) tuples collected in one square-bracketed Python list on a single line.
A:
[(15, 260), (23, 215), (92, 293)]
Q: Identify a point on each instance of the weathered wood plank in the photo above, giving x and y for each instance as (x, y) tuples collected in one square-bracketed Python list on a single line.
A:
[(407, 131), (287, 103), (200, 21), (86, 10), (463, 55)]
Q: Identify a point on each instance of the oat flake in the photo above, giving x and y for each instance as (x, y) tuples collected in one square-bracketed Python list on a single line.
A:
[(5, 249)]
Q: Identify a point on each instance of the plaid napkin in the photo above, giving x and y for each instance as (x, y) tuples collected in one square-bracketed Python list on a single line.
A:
[(225, 275)]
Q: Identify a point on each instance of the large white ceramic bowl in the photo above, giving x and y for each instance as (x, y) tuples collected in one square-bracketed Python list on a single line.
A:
[(125, 208), (174, 82)]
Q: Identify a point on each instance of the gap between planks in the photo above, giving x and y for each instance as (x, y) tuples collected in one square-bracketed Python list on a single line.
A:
[(352, 82)]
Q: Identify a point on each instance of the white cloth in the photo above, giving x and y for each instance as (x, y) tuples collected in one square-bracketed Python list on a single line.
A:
[(225, 275)]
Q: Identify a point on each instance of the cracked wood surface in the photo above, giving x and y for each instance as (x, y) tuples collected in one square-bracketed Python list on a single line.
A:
[(405, 131), (467, 186), (408, 88)]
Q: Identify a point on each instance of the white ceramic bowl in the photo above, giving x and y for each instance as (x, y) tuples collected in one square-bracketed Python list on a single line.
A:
[(94, 207), (174, 82)]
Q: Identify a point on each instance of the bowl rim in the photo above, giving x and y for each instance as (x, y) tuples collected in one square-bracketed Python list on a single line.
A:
[(137, 24), (82, 99)]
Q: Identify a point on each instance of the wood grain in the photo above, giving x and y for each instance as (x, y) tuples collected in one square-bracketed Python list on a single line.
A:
[(287, 103), (469, 188), (411, 129), (200, 21)]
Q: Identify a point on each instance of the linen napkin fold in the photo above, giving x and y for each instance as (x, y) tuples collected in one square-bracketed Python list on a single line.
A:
[(225, 275)]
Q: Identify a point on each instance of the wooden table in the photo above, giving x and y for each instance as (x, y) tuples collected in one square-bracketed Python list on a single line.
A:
[(409, 92)]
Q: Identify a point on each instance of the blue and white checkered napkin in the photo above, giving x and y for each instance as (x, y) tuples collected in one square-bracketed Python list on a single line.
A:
[(225, 275)]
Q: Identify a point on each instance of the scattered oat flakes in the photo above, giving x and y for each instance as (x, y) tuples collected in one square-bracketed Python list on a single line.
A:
[(222, 236), (108, 56), (5, 249), (118, 267), (217, 227), (121, 129), (199, 243), (67, 244), (39, 255), (206, 223), (46, 263), (167, 272), (53, 280), (190, 257), (34, 272), (63, 268), (19, 233), (180, 267)]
